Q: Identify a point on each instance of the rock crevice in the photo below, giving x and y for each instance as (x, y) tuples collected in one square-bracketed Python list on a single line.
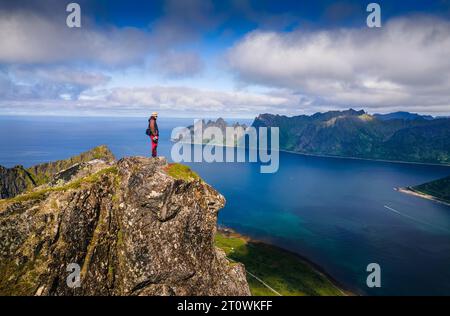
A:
[(131, 227)]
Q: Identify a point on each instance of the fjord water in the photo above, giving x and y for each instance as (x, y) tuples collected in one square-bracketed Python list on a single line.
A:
[(341, 214)]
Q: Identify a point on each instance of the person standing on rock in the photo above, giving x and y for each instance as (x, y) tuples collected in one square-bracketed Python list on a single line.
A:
[(153, 132)]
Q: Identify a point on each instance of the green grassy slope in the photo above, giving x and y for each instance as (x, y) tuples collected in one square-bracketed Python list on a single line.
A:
[(42, 173), (283, 271), (179, 171), (17, 180)]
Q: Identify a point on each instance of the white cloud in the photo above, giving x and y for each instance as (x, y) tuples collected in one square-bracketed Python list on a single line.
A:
[(175, 101), (29, 38), (60, 74), (405, 64), (185, 99), (32, 82), (179, 65), (38, 38)]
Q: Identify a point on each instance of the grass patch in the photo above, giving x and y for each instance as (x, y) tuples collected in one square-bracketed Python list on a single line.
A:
[(119, 238), (101, 152), (283, 271), (183, 172)]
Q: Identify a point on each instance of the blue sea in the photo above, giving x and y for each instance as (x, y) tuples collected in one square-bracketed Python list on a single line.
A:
[(341, 214)]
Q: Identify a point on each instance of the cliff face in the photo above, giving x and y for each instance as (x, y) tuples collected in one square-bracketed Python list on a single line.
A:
[(135, 227)]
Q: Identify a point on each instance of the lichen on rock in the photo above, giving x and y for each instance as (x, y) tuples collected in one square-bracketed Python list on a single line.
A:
[(132, 228)]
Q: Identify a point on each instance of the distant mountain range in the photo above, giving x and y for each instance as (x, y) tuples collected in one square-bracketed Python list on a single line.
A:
[(399, 136), (402, 116), (221, 124)]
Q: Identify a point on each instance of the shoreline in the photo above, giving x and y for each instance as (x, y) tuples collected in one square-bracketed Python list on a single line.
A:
[(330, 156), (229, 232), (368, 159), (411, 191)]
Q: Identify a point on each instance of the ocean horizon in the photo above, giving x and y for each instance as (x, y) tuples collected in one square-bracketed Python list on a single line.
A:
[(336, 212)]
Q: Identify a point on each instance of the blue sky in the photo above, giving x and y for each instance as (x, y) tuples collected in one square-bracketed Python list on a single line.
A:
[(235, 58)]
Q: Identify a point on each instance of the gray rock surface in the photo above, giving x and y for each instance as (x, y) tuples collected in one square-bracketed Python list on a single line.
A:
[(132, 226)]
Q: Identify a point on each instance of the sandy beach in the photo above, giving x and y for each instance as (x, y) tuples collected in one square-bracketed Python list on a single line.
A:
[(411, 191)]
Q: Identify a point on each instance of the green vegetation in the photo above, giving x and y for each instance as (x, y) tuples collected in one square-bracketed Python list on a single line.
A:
[(101, 152), (17, 180), (439, 189), (179, 171), (42, 173), (40, 194), (356, 134), (119, 238), (19, 278), (41, 177), (283, 271)]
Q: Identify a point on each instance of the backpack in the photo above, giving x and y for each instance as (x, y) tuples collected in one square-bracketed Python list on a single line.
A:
[(148, 131)]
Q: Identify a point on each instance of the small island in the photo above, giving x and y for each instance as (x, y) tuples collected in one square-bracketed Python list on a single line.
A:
[(201, 125)]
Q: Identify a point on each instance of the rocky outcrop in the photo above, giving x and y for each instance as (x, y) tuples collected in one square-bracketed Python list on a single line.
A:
[(221, 124), (139, 226), (14, 181)]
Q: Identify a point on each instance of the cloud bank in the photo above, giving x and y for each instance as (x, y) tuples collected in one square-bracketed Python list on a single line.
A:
[(28, 38), (186, 101), (103, 67), (56, 82), (179, 65), (195, 101), (403, 64)]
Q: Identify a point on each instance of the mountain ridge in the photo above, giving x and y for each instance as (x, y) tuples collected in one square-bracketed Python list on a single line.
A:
[(19, 179), (402, 115), (357, 134)]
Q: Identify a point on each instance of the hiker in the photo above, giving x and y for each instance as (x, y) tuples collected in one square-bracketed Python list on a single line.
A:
[(153, 132)]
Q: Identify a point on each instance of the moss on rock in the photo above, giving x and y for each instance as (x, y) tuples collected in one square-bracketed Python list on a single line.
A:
[(183, 172)]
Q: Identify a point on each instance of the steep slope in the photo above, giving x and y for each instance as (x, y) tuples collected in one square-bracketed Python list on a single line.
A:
[(14, 181), (134, 227), (356, 134)]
